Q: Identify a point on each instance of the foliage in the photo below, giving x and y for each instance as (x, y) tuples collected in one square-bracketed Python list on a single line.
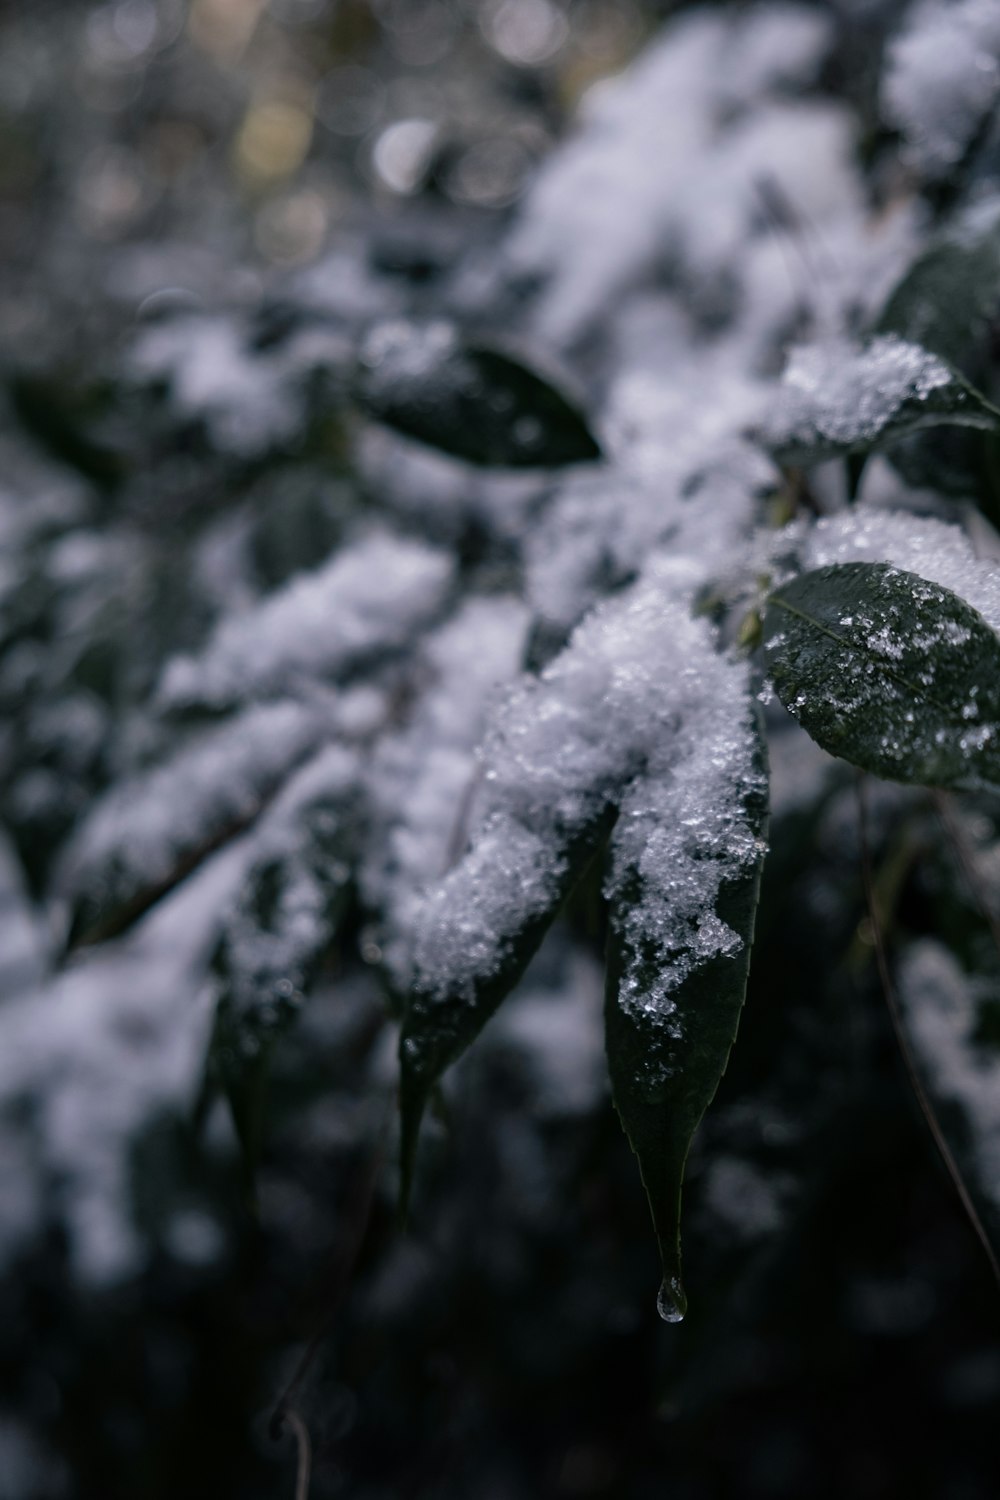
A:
[(412, 645)]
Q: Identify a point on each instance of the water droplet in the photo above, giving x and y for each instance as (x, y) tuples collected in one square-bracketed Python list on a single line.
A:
[(671, 1301)]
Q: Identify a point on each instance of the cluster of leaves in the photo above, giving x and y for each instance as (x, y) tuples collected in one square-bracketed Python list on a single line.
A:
[(152, 724)]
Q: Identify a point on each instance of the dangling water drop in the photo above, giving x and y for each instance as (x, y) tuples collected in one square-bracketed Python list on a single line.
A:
[(671, 1301)]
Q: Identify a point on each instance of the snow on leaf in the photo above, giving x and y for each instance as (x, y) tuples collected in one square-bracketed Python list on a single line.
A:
[(838, 399), (635, 683), (419, 781), (149, 830), (284, 918), (936, 551), (368, 600), (663, 162), (686, 859), (889, 671)]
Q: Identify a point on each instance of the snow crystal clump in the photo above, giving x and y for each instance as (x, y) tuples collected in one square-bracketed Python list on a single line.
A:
[(370, 598), (942, 78), (837, 396)]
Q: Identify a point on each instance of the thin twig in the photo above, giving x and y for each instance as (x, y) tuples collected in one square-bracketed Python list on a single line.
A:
[(304, 1470), (895, 1016)]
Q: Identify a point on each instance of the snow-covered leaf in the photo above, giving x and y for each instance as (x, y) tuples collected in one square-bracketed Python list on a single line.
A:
[(889, 671), (369, 600), (687, 854), (557, 758), (640, 698), (283, 920), (151, 829), (419, 780), (836, 399), (476, 402)]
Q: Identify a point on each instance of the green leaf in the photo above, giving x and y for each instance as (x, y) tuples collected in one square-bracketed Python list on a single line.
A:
[(836, 400), (948, 301), (284, 919), (949, 297), (889, 671), (441, 1024), (477, 402), (678, 959)]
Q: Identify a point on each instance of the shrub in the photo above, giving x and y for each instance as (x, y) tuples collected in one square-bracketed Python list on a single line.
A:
[(432, 639)]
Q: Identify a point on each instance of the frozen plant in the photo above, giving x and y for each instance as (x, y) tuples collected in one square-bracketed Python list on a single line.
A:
[(461, 635)]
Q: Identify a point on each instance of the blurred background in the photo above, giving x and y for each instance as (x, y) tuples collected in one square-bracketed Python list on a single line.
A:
[(201, 145)]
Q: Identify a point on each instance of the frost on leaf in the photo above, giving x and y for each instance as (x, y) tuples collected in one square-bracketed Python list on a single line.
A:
[(686, 857), (369, 600), (890, 671), (837, 399), (151, 829)]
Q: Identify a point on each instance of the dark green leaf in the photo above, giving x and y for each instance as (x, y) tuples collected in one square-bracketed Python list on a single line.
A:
[(836, 400), (672, 1010), (478, 403), (948, 299), (895, 674), (439, 1027)]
